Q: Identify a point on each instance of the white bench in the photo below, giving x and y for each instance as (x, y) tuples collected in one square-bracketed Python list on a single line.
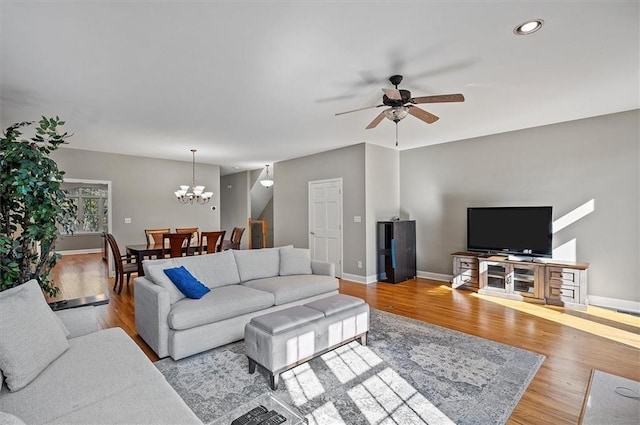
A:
[(283, 339)]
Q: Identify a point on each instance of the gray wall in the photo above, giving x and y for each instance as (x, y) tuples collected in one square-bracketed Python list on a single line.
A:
[(79, 242), (235, 204), (563, 165), (382, 187), (142, 189), (290, 199)]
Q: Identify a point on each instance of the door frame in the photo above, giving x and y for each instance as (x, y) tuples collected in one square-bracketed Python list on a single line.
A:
[(110, 265), (341, 224)]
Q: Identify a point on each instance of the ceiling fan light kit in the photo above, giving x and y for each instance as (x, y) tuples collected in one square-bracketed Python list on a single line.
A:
[(402, 104), (397, 113), (193, 194)]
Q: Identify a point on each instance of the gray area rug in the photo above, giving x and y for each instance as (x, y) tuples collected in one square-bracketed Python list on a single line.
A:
[(410, 372)]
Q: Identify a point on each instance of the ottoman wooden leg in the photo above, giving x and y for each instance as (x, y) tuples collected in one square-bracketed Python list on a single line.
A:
[(363, 339), (252, 365), (274, 378)]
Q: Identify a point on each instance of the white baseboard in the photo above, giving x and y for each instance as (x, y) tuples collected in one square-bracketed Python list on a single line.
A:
[(434, 276), (359, 278), (80, 251), (615, 303), (374, 278)]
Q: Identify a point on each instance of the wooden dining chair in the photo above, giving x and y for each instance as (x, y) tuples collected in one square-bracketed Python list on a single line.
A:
[(213, 242), (234, 241), (154, 236), (177, 242), (236, 237), (193, 231), (124, 265)]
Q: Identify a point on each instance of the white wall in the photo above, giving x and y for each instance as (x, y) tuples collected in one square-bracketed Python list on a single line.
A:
[(564, 165)]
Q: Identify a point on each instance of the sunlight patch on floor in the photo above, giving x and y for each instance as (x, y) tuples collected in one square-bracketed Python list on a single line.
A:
[(605, 313), (383, 398), (599, 329), (387, 398), (302, 383), (325, 414), (350, 361)]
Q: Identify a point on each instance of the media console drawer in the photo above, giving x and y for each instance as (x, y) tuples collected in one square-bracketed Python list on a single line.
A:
[(465, 271), (566, 285), (565, 275)]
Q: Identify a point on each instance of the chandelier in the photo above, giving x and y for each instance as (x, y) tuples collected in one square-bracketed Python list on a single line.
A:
[(267, 181), (193, 194)]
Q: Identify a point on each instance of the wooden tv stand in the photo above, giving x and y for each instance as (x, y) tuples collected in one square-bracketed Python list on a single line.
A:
[(543, 281)]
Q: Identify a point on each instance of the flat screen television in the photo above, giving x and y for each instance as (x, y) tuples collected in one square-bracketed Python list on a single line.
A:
[(525, 231)]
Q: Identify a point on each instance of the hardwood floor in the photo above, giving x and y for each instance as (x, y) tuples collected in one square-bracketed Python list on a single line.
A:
[(567, 339)]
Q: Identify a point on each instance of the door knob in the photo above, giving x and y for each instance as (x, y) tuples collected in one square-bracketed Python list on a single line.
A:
[(311, 233)]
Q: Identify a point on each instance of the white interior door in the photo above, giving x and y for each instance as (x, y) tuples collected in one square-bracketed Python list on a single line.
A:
[(325, 221)]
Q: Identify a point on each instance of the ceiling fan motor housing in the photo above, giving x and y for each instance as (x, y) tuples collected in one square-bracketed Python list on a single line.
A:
[(395, 80), (405, 96)]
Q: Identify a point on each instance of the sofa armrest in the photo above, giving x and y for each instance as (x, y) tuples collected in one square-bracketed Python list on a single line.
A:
[(323, 268), (152, 307), (79, 321)]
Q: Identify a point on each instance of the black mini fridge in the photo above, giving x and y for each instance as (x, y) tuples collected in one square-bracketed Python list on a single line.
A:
[(396, 250)]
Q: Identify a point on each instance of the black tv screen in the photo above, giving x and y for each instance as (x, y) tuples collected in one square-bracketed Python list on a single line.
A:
[(510, 230)]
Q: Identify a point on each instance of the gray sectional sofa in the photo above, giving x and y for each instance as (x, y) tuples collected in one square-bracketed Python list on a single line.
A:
[(60, 369), (242, 283)]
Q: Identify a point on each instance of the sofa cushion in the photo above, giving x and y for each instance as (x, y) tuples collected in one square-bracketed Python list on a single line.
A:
[(9, 419), (186, 283), (287, 289), (213, 270), (219, 304), (102, 376), (294, 261), (154, 271), (30, 335), (257, 263)]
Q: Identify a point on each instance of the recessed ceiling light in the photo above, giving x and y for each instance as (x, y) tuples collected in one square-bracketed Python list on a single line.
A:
[(528, 27)]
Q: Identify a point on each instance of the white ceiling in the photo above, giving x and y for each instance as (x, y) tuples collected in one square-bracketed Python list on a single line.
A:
[(250, 83)]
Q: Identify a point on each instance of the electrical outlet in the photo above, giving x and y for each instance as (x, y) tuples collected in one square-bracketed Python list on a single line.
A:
[(359, 264), (127, 221)]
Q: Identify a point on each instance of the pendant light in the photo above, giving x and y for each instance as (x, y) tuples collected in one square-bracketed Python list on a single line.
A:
[(267, 181)]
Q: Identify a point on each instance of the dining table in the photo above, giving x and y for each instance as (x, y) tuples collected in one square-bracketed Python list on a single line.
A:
[(149, 251)]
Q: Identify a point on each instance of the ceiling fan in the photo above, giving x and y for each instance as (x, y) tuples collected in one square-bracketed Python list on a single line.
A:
[(401, 104)]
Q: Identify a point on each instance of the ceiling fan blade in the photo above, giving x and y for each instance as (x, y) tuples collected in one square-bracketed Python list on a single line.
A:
[(359, 109), (458, 97), (393, 94), (376, 121), (423, 115)]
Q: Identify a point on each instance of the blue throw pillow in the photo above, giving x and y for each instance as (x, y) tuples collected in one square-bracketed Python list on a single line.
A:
[(186, 283)]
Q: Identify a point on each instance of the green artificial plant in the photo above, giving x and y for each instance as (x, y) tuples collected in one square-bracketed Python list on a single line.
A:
[(32, 204)]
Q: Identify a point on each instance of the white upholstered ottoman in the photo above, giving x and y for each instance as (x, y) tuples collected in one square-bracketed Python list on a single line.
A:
[(283, 339)]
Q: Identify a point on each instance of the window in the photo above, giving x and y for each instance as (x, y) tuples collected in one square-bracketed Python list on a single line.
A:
[(92, 208)]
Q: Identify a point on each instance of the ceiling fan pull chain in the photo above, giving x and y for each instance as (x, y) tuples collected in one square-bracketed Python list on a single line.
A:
[(396, 134)]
